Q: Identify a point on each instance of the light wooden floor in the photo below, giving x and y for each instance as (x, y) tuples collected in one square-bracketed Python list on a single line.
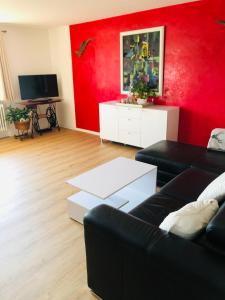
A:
[(41, 250)]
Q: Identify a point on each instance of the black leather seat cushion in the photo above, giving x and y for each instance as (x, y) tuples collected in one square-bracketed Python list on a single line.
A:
[(211, 160), (156, 208), (189, 184), (174, 195), (170, 156)]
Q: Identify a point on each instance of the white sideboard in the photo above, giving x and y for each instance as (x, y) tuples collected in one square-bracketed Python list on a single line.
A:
[(138, 126)]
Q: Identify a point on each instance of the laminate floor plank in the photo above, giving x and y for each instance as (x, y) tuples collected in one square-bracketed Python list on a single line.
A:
[(42, 253)]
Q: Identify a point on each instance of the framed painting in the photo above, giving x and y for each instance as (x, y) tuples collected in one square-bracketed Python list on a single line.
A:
[(142, 55)]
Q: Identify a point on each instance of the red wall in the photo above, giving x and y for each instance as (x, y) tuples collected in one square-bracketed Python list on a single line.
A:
[(194, 73)]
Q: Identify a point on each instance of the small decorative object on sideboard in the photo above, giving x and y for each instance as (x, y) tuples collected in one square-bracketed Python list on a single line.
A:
[(141, 101), (141, 94), (143, 91), (21, 119)]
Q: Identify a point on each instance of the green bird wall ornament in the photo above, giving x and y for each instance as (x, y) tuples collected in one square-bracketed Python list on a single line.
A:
[(221, 22), (83, 47)]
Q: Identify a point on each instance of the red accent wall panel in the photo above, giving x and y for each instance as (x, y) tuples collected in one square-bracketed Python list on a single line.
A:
[(194, 69)]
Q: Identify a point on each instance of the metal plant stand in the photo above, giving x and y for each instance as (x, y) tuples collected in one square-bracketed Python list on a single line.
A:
[(23, 135)]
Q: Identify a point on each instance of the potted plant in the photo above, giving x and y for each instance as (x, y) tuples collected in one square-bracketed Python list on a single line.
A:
[(20, 117), (142, 91)]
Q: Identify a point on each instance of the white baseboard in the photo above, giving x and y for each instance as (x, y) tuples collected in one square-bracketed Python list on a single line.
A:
[(87, 131)]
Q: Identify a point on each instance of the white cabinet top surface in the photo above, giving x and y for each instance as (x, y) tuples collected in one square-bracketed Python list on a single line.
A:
[(154, 107)]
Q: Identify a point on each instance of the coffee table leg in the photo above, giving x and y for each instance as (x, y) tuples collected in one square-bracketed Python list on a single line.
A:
[(138, 191)]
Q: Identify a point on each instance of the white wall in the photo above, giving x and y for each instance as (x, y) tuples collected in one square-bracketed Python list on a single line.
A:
[(28, 52), (32, 50), (60, 52)]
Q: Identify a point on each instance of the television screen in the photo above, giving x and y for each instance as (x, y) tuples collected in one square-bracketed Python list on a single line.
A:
[(38, 86)]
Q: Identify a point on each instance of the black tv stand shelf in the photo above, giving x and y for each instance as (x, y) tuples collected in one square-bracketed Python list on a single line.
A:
[(50, 114)]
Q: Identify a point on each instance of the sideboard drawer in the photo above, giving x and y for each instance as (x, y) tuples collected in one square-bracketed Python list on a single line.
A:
[(130, 138), (129, 112), (129, 124)]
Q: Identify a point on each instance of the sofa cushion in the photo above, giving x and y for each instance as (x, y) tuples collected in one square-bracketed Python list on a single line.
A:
[(170, 156), (191, 219), (188, 185), (216, 189), (156, 208), (211, 160), (217, 139)]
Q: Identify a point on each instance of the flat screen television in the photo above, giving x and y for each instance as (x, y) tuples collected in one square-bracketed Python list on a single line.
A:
[(38, 86)]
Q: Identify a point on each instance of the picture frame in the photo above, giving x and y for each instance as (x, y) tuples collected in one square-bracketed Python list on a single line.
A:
[(142, 55)]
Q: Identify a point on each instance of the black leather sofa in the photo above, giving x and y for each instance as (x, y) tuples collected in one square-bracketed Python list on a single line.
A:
[(130, 258), (172, 158)]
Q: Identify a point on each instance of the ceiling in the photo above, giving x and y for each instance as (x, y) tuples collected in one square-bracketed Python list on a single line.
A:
[(49, 13)]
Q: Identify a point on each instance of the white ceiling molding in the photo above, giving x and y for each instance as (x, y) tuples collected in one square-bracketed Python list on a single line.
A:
[(50, 13)]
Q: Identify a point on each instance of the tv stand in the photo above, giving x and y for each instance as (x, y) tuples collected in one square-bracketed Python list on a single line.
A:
[(39, 100), (50, 114)]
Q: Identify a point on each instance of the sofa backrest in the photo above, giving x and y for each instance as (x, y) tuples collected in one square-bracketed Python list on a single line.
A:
[(215, 230), (213, 238)]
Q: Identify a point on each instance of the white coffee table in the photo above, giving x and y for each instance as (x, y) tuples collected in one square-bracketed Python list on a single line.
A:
[(122, 183)]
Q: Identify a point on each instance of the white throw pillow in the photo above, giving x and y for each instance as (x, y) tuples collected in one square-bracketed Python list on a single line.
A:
[(215, 190), (188, 221), (217, 139)]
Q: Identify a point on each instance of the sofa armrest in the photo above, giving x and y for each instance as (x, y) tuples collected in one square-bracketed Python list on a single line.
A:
[(130, 259), (109, 234), (123, 226)]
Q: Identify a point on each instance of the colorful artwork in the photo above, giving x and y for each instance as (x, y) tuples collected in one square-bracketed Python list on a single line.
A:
[(142, 58)]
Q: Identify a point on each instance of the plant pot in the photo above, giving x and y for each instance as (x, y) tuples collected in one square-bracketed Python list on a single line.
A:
[(141, 101), (22, 126)]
